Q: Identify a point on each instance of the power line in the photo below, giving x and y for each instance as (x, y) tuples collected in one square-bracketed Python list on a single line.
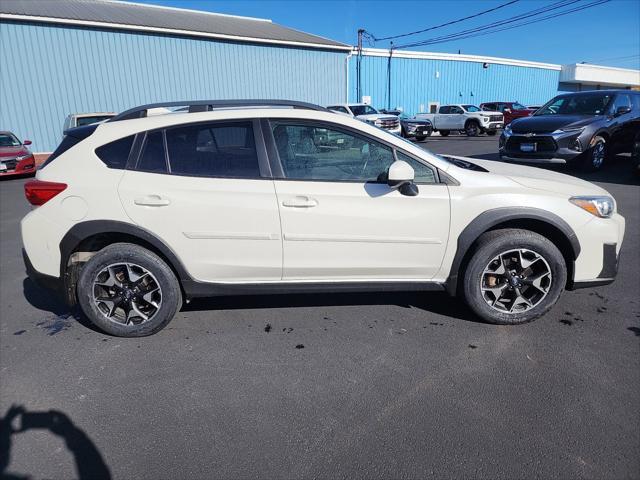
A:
[(446, 24), (506, 21), (616, 58), (491, 28)]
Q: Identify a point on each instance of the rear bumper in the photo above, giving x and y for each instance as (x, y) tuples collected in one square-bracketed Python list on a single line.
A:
[(41, 279)]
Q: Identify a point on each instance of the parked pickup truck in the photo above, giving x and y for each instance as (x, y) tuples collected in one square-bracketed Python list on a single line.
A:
[(368, 114), (467, 118)]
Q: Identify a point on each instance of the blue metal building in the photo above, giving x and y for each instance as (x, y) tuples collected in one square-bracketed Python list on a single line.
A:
[(420, 81), (77, 56)]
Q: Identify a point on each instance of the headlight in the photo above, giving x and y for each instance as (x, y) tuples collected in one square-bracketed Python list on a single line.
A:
[(602, 207), (19, 158), (569, 130)]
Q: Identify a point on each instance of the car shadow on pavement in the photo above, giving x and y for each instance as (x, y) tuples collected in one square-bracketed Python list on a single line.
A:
[(88, 460), (438, 303), (43, 299)]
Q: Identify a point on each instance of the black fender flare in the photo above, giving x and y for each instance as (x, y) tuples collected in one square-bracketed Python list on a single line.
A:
[(84, 230), (489, 219)]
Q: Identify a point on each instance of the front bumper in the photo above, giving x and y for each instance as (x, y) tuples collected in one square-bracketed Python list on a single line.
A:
[(418, 130), (493, 126), (23, 167), (610, 262), (541, 147), (600, 241)]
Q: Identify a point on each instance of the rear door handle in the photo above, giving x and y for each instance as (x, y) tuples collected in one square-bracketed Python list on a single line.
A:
[(152, 201), (300, 201)]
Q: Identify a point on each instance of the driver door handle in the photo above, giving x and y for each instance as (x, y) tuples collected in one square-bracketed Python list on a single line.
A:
[(300, 201)]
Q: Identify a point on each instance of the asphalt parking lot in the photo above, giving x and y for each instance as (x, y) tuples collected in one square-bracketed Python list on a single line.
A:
[(326, 386)]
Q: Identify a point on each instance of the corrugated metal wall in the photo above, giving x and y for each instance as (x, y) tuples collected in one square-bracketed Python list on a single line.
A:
[(416, 82), (50, 71)]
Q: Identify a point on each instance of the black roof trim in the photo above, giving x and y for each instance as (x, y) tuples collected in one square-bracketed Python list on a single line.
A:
[(208, 105)]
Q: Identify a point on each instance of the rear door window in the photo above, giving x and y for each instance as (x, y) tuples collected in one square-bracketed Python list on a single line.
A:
[(213, 150)]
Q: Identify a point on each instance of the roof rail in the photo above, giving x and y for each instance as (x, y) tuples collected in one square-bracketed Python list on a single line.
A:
[(208, 105)]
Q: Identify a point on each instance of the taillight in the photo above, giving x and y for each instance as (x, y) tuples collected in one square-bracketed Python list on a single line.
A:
[(39, 192)]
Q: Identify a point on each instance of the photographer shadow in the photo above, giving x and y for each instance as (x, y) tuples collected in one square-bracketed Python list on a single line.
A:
[(88, 460)]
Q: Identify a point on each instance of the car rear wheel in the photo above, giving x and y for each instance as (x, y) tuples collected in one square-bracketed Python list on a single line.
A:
[(472, 129), (444, 133), (514, 276), (128, 291)]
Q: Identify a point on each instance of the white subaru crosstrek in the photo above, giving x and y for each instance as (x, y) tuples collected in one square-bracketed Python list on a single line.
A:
[(135, 215)]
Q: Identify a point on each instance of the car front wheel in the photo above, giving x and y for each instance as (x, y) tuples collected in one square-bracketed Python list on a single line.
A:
[(514, 276), (472, 129), (593, 159), (128, 291)]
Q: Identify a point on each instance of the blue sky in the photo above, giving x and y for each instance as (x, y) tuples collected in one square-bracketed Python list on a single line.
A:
[(607, 34)]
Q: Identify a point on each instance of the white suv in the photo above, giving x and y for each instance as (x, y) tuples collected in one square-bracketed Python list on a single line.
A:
[(136, 215)]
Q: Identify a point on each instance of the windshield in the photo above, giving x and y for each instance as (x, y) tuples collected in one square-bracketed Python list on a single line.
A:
[(471, 108), (588, 104), (517, 106), (8, 140), (82, 121), (363, 110)]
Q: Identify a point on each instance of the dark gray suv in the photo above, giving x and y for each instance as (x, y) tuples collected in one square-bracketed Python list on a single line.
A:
[(582, 128)]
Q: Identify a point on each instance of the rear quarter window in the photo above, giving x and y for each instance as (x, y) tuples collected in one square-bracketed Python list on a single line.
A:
[(116, 154)]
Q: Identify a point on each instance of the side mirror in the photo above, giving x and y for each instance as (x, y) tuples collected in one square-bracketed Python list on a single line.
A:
[(622, 111), (401, 176), (27, 142)]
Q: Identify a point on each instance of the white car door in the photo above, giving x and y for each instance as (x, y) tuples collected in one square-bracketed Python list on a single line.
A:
[(457, 118), (340, 219), (200, 189)]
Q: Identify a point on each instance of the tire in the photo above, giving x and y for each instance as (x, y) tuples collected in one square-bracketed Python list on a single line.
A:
[(472, 129), (444, 133), (491, 133), (513, 309), (125, 270), (420, 138), (594, 158)]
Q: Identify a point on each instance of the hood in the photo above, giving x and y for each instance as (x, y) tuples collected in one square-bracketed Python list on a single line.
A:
[(376, 116), (418, 121), (13, 151), (549, 123), (539, 178)]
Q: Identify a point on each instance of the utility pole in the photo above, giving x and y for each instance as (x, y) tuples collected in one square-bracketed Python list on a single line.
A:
[(389, 77), (358, 65)]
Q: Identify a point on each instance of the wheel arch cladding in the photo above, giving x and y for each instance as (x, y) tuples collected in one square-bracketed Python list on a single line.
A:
[(92, 236), (539, 221)]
